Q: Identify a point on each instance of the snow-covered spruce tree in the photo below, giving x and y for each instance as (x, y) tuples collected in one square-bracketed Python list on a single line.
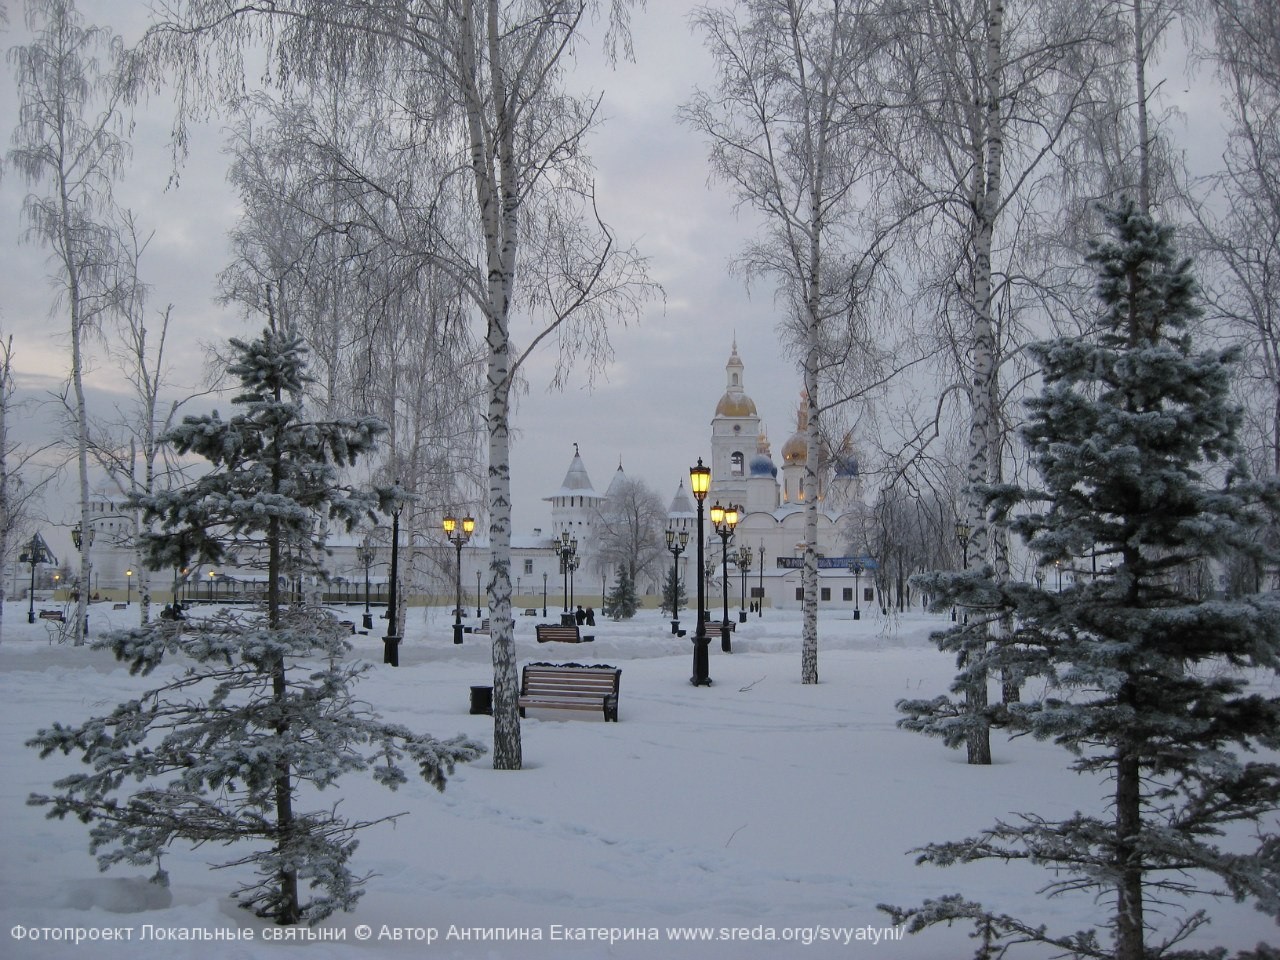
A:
[(229, 749), (622, 602), (673, 593), (1147, 684)]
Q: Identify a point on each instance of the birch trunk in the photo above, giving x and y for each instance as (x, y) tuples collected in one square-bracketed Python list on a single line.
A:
[(983, 427)]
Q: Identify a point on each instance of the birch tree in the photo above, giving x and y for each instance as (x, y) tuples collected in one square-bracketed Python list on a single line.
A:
[(483, 80), (71, 142), (783, 123)]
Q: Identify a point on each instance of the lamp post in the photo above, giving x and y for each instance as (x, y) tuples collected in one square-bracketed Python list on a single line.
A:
[(567, 548), (962, 537), (744, 566), (128, 587), (544, 594), (212, 574), (856, 569), (365, 555), (84, 539), (724, 519), (676, 543), (37, 552), (699, 483), (574, 563), (391, 642), (760, 606), (458, 536), (478, 590)]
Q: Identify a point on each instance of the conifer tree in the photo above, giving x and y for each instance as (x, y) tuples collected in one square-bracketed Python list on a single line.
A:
[(1148, 685), (224, 750), (673, 593), (622, 600)]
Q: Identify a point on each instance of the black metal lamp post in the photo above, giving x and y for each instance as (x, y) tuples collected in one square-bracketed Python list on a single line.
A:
[(37, 552), (962, 537), (128, 587), (676, 543), (744, 566), (699, 483), (391, 642), (856, 569), (84, 539), (478, 591), (567, 548), (458, 537), (365, 555), (544, 594), (574, 563), (724, 519), (760, 605)]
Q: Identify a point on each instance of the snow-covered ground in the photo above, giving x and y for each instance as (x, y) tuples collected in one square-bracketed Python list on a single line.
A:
[(763, 817)]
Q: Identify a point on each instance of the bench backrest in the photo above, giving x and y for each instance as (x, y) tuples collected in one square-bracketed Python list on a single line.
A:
[(553, 630), (570, 678)]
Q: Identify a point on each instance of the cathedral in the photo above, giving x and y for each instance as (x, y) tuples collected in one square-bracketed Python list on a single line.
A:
[(765, 551)]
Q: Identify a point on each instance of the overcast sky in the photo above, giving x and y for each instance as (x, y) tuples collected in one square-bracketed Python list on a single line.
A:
[(650, 409)]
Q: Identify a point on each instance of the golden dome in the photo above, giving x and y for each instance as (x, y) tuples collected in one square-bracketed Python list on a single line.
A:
[(796, 449), (735, 403)]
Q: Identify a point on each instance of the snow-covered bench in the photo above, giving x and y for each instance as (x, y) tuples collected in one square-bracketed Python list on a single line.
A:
[(561, 633), (570, 686)]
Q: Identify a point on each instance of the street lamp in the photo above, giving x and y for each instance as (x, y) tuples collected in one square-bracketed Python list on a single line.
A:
[(760, 607), (544, 594), (84, 539), (478, 590), (676, 543), (962, 536), (391, 642), (212, 574), (365, 555), (458, 537), (128, 587), (724, 519), (699, 484), (574, 563), (744, 565), (37, 552), (856, 569), (567, 548)]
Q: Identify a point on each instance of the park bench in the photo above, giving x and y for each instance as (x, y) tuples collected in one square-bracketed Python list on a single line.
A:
[(530, 611), (713, 626), (560, 633), (119, 606), (53, 615), (483, 628), (570, 686)]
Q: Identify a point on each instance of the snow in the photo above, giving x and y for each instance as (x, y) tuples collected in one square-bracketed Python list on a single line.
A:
[(758, 807)]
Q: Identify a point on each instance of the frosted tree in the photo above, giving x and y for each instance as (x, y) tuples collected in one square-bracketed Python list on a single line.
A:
[(629, 530), (515, 218), (73, 83), (225, 750), (1148, 685), (786, 123)]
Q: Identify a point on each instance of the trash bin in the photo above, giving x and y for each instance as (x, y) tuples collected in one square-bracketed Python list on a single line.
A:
[(568, 620), (482, 700)]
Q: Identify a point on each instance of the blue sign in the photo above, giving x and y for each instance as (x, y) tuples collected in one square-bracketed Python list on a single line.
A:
[(828, 563)]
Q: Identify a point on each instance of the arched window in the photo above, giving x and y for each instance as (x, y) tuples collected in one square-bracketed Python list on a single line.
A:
[(735, 464)]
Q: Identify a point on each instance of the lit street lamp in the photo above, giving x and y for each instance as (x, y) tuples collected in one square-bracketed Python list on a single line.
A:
[(458, 537), (128, 587), (699, 484), (724, 519), (37, 552), (212, 574), (676, 544)]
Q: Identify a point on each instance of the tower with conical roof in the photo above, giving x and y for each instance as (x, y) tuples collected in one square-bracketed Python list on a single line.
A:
[(735, 435), (574, 505)]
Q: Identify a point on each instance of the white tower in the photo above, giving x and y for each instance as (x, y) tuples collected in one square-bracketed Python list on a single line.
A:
[(735, 432), (574, 505)]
